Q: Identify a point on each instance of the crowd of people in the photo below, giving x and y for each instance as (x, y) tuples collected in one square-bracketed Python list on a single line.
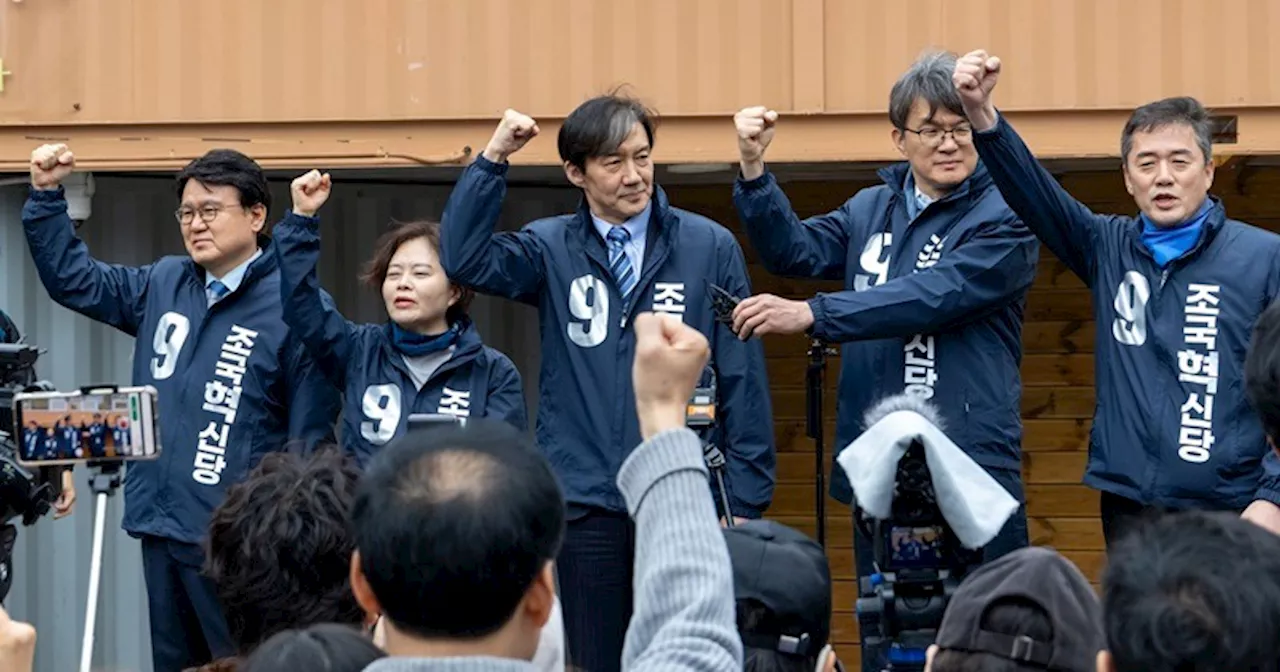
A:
[(435, 534)]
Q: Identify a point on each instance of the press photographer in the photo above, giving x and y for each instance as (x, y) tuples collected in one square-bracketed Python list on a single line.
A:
[(929, 511), (24, 493)]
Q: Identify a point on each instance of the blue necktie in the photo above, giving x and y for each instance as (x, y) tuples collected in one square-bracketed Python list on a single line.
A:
[(620, 264), (217, 291)]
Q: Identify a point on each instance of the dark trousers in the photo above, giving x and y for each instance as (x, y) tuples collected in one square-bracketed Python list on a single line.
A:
[(1118, 513), (188, 628), (595, 574), (1012, 536)]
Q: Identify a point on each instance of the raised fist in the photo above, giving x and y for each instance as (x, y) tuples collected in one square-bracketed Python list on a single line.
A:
[(669, 358), (755, 131), (975, 76), (309, 192), (513, 132), (50, 165)]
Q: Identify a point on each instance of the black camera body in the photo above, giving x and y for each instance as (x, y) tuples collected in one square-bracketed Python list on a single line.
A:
[(919, 564), (24, 493)]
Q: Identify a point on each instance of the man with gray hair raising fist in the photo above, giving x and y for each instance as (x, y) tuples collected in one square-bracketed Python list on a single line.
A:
[(1176, 292), (936, 270)]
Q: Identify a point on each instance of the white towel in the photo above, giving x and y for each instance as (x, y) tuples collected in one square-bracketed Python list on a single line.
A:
[(972, 502)]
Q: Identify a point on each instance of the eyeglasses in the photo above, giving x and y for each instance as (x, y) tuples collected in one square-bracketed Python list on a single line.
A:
[(208, 213), (932, 136)]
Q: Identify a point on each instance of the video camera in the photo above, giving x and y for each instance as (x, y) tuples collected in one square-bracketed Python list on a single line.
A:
[(24, 493), (919, 565), (926, 529)]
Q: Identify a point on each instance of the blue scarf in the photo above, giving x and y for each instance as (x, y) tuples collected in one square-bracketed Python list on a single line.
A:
[(1167, 244), (410, 344)]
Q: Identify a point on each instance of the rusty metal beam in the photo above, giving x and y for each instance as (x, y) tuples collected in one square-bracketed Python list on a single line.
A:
[(688, 139)]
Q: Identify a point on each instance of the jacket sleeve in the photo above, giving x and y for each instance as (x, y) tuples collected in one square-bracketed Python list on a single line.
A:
[(506, 394), (507, 264), (813, 248), (1269, 484), (107, 293), (980, 275), (1067, 226), (684, 615), (314, 403), (746, 412), (308, 311)]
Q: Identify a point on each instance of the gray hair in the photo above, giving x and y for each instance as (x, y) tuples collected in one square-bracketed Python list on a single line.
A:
[(1183, 110), (928, 78)]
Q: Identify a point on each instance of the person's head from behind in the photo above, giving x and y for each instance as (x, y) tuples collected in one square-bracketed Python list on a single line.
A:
[(328, 647), (1262, 372), (782, 591), (279, 547), (1192, 592), (222, 208), (605, 145), (929, 125), (456, 531), (1167, 149), (1028, 610), (417, 293)]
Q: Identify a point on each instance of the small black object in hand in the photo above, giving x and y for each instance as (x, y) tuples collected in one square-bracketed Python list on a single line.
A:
[(723, 303)]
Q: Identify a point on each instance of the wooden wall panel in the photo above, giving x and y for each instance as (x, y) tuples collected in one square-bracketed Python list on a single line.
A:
[(163, 61), (1058, 393), (1062, 54), (156, 61)]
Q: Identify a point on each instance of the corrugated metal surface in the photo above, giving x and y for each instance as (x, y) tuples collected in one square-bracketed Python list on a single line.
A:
[(285, 60), (132, 223)]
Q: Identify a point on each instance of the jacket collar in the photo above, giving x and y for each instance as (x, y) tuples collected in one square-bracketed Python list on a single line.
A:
[(895, 177), (469, 344), (259, 268)]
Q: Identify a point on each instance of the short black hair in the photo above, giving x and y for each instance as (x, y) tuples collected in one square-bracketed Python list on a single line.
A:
[(599, 126), (454, 524), (1013, 616), (279, 547), (754, 616), (1193, 591), (228, 168), (928, 79), (1183, 110), (1262, 371), (329, 647)]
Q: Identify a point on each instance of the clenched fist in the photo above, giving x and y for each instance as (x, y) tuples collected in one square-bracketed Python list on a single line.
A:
[(670, 356), (755, 127), (513, 132), (975, 76), (309, 192), (50, 165)]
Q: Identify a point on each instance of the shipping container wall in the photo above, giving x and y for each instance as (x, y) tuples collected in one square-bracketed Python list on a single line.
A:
[(132, 223), (157, 61)]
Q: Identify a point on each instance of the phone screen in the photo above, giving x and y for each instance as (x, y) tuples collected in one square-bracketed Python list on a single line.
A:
[(70, 427)]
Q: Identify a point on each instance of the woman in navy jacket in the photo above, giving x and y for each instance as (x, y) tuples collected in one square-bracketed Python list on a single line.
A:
[(427, 359)]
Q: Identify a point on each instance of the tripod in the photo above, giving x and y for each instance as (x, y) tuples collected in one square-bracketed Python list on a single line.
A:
[(715, 462), (814, 378), (102, 484)]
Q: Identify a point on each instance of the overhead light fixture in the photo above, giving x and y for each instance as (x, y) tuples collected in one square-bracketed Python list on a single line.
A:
[(79, 189)]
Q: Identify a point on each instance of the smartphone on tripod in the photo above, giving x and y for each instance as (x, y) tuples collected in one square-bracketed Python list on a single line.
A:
[(99, 426)]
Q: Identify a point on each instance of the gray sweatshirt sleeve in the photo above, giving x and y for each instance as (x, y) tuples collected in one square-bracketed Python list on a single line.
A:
[(684, 615)]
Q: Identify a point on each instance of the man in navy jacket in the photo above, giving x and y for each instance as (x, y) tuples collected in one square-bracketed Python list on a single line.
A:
[(625, 251), (233, 383), (1176, 291), (936, 270)]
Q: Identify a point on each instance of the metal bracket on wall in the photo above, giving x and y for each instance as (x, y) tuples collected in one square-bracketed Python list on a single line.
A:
[(3, 73)]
